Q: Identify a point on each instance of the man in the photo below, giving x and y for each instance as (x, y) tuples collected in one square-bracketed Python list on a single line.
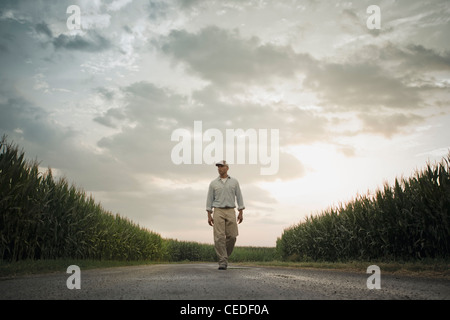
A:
[(223, 193)]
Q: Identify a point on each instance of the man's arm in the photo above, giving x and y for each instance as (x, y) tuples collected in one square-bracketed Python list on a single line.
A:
[(210, 198), (239, 198), (240, 202), (209, 202)]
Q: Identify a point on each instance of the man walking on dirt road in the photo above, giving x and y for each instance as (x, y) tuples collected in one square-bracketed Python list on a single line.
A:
[(223, 193)]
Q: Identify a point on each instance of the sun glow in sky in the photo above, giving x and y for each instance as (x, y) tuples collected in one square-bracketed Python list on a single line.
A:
[(354, 107)]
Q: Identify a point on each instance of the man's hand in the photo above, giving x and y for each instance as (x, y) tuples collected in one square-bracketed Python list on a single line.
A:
[(210, 219), (240, 217)]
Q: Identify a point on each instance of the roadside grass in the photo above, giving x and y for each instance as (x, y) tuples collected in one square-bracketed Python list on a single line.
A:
[(426, 268), (29, 267)]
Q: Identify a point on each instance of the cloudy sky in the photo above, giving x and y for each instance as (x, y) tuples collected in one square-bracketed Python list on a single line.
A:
[(354, 106)]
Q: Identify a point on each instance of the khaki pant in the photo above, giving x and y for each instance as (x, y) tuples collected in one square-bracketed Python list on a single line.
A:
[(225, 233)]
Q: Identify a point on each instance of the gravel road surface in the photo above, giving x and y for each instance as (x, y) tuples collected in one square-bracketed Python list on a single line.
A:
[(203, 281)]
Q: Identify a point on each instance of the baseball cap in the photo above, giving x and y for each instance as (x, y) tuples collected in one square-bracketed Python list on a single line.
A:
[(222, 163)]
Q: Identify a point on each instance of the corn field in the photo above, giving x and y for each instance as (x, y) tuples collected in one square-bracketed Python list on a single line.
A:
[(46, 219), (176, 250), (41, 218), (409, 220)]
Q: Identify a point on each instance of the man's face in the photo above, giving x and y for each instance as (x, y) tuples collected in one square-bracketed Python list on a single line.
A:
[(222, 169)]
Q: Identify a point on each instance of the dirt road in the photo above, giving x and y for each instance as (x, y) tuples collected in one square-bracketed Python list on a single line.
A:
[(205, 282)]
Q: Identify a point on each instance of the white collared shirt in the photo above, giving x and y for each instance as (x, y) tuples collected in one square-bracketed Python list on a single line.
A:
[(224, 194)]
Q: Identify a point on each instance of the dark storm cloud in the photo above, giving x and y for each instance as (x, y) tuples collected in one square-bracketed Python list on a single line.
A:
[(44, 29), (18, 114), (225, 57), (389, 124), (58, 147), (360, 87), (417, 57), (92, 42), (364, 85)]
